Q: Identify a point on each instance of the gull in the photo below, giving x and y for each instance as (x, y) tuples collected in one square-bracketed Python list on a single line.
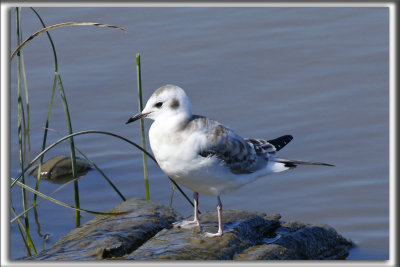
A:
[(205, 156)]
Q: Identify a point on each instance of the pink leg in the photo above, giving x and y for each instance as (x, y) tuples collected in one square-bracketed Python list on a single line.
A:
[(196, 207), (195, 222), (220, 227)]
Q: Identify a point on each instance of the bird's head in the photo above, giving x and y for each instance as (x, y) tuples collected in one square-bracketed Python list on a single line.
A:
[(166, 102)]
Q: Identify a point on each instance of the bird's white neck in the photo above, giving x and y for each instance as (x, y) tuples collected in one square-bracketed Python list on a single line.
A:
[(166, 124)]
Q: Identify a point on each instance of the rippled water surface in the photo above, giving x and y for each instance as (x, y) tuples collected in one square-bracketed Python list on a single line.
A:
[(320, 74)]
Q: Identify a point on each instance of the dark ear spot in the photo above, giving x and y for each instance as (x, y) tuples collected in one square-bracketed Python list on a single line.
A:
[(174, 104)]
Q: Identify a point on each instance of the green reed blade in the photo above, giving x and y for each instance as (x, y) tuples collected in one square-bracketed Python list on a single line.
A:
[(22, 230), (96, 167), (42, 200), (28, 188), (102, 173), (57, 80), (51, 101), (21, 156), (62, 93), (27, 130), (50, 39), (72, 149), (98, 132), (139, 85), (34, 205), (45, 135)]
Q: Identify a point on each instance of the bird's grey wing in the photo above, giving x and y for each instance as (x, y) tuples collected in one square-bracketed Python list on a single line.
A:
[(261, 146), (269, 147), (227, 146)]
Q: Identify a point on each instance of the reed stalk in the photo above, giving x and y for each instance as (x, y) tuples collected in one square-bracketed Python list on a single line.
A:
[(27, 135), (95, 132), (45, 137), (26, 124), (51, 100), (139, 85), (72, 150), (102, 173), (96, 167), (57, 80), (46, 197), (62, 203), (21, 156), (34, 205), (22, 230)]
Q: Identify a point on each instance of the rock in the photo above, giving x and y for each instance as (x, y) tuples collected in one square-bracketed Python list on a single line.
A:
[(147, 234), (267, 252), (242, 230), (110, 236), (315, 242), (297, 241), (58, 169)]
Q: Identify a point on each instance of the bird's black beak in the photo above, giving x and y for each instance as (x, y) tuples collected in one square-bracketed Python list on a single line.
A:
[(137, 117)]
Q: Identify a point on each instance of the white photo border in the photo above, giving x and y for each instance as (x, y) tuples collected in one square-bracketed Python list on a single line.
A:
[(5, 128)]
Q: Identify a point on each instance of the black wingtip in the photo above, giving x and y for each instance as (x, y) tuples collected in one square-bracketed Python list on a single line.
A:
[(291, 162), (280, 142)]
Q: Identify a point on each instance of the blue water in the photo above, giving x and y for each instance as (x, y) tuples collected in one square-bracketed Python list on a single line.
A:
[(320, 74)]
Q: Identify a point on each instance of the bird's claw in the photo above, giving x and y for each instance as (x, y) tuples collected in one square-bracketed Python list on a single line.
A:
[(218, 234)]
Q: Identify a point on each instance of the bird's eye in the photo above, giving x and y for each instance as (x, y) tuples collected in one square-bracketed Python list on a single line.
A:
[(158, 104)]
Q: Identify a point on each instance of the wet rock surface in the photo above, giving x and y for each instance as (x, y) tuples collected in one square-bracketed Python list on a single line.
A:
[(110, 236), (147, 234), (242, 230), (297, 241)]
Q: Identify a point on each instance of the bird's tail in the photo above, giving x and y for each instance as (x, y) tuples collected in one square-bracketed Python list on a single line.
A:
[(293, 163)]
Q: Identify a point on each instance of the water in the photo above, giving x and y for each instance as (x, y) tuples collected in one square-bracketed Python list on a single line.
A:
[(320, 74)]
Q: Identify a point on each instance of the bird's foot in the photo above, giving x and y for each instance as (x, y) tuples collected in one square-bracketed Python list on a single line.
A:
[(186, 224), (219, 233)]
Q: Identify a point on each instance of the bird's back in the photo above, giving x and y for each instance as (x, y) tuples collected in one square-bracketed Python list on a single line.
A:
[(240, 155)]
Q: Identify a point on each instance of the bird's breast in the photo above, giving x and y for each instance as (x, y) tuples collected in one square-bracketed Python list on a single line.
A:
[(170, 147)]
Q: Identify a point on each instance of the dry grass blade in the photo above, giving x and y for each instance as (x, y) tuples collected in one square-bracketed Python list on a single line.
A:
[(22, 230), (63, 25), (34, 205), (99, 132), (64, 204)]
